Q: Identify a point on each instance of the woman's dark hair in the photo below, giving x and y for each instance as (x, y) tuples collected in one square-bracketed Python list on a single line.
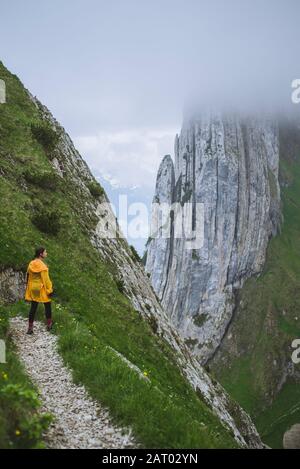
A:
[(39, 251)]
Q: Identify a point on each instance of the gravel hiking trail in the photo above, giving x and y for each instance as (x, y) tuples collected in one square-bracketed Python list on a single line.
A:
[(79, 421)]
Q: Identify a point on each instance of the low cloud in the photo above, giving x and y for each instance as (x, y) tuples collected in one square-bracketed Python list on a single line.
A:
[(127, 158)]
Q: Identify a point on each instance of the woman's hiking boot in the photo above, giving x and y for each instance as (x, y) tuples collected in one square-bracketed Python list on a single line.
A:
[(49, 324)]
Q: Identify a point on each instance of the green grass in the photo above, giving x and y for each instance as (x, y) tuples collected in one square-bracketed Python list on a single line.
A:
[(267, 321), (273, 422), (21, 422), (90, 312)]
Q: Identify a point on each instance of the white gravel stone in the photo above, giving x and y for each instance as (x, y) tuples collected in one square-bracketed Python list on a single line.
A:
[(79, 422)]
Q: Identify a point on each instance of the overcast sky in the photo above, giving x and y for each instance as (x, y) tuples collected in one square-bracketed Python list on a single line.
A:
[(116, 73)]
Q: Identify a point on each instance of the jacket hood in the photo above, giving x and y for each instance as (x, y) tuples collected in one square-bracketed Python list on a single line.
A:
[(37, 265)]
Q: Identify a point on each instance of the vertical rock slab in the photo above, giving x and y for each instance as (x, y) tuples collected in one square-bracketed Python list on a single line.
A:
[(229, 163)]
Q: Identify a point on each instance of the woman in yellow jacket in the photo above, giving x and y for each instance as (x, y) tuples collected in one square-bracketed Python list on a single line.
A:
[(39, 287)]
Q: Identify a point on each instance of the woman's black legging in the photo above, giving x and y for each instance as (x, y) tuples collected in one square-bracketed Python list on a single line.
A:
[(33, 308)]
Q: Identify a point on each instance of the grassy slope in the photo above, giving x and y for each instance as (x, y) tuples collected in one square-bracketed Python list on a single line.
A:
[(268, 319), (90, 311)]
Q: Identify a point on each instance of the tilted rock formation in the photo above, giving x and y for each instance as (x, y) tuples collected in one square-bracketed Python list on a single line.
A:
[(11, 285), (228, 163)]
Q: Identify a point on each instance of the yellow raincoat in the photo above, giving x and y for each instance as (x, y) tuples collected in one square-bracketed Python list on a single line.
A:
[(39, 285)]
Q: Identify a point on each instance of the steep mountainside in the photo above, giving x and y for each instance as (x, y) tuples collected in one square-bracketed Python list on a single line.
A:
[(240, 168), (112, 330)]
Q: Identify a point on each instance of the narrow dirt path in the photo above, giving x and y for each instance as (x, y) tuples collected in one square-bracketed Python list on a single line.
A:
[(79, 421)]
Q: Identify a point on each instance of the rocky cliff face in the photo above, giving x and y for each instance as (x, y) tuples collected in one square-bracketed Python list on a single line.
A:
[(71, 167), (228, 163)]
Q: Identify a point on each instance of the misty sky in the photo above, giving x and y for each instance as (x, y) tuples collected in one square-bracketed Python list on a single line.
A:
[(117, 74)]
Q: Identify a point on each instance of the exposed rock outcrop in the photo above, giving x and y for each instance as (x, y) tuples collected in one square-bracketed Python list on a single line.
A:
[(228, 163), (12, 285)]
